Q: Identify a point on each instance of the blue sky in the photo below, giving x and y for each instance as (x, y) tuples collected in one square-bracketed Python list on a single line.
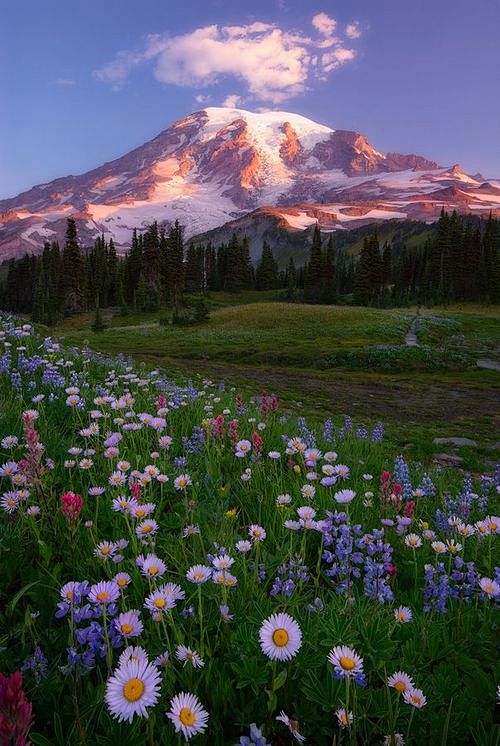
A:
[(85, 82)]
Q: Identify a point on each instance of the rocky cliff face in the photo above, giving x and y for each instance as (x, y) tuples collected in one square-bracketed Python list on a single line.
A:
[(218, 164)]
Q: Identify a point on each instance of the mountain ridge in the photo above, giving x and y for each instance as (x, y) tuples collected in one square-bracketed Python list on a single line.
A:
[(218, 164)]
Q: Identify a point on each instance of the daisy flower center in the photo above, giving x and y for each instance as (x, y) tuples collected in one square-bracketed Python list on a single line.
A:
[(400, 686), (146, 529), (347, 663), (126, 629), (187, 716), (160, 603), (280, 637), (153, 570), (415, 699), (121, 582), (133, 690), (103, 596)]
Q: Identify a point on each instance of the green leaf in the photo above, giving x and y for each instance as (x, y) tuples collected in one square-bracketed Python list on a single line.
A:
[(40, 740), (20, 594), (280, 679)]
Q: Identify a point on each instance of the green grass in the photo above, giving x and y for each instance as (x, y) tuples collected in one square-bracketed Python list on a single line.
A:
[(334, 359), (449, 652)]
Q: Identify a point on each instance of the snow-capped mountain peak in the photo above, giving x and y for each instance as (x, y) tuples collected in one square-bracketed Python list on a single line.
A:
[(218, 163)]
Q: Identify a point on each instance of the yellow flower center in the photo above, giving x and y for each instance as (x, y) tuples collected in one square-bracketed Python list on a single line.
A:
[(146, 529), (280, 637), (103, 596), (121, 582), (69, 595), (400, 686), (153, 570), (160, 603), (401, 616), (343, 719), (105, 550), (126, 629), (187, 716), (139, 513), (198, 576), (347, 663), (133, 690), (488, 588), (492, 526), (415, 699)]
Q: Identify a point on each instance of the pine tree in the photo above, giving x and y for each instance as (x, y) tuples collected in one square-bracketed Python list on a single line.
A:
[(193, 270), (141, 294), (291, 280), (112, 290), (39, 313), (328, 290), (362, 277), (134, 268), (266, 275), (73, 283), (313, 274), (98, 324)]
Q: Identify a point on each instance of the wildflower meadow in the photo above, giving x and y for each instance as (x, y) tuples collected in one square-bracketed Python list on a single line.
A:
[(190, 563)]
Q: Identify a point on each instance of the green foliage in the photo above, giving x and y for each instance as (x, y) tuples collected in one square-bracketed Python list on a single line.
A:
[(449, 655)]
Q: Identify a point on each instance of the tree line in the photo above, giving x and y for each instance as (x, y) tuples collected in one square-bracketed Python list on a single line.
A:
[(460, 261)]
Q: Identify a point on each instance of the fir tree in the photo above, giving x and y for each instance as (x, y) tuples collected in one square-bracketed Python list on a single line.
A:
[(72, 276), (266, 275), (313, 273)]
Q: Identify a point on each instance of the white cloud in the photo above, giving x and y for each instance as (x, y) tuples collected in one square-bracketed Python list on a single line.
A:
[(324, 23), (200, 99), (117, 71), (272, 64), (353, 30), (232, 101), (65, 82)]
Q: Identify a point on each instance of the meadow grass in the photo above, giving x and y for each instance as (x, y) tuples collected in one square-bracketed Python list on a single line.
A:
[(330, 512), (333, 360)]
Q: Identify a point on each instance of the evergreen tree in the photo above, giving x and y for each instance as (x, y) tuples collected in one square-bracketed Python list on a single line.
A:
[(362, 277), (40, 305), (73, 283), (141, 294), (266, 275), (134, 268), (291, 279), (328, 289), (313, 273), (112, 290), (193, 270)]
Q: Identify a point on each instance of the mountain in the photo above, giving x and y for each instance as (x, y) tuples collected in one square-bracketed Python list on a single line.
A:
[(219, 164)]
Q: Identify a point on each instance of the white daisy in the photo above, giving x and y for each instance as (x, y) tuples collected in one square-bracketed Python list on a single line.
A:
[(345, 660), (280, 637), (187, 715), (134, 687)]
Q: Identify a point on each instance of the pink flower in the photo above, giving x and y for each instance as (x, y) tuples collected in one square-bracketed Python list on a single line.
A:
[(135, 490), (15, 711), (409, 508), (257, 444), (233, 432), (390, 569), (71, 506)]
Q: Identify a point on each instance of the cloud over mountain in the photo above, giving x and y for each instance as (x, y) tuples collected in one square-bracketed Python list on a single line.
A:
[(271, 64)]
